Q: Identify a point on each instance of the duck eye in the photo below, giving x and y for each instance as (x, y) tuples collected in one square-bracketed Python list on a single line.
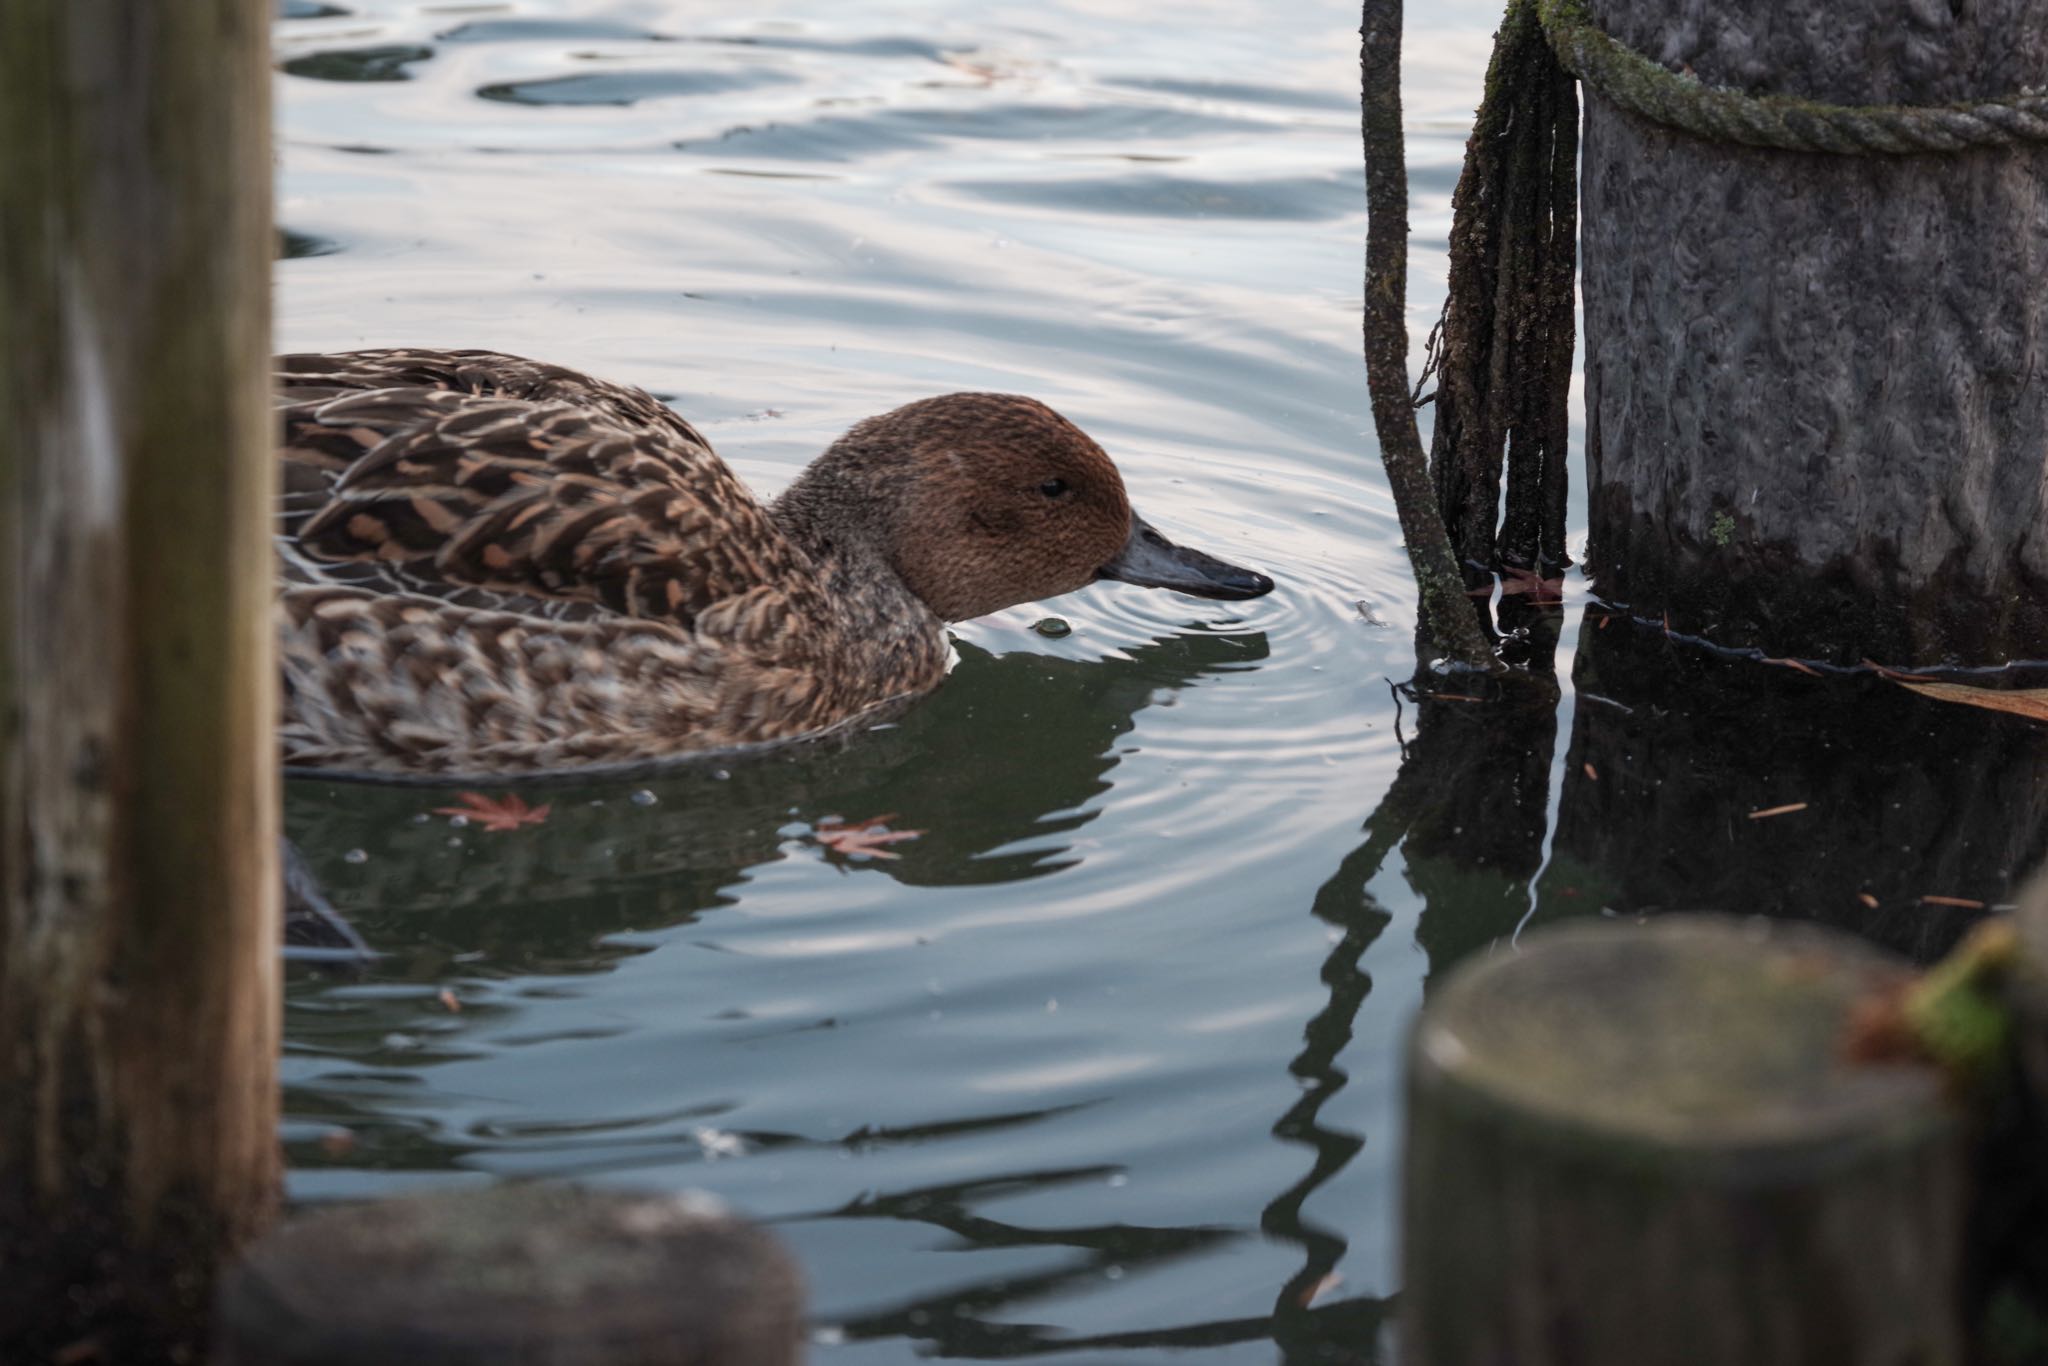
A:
[(1053, 488)]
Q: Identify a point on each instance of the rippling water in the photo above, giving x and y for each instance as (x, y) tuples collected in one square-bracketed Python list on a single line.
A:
[(1105, 1065)]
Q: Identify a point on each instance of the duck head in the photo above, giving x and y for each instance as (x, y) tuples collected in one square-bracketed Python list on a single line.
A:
[(983, 501)]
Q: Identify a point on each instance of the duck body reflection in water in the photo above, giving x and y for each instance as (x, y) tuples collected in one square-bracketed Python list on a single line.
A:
[(498, 566)]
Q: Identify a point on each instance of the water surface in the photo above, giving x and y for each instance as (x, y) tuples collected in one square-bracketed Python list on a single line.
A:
[(1105, 1066)]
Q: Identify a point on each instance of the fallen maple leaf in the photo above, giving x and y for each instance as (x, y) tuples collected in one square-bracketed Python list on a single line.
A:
[(863, 839), (1540, 590), (2031, 703), (497, 813)]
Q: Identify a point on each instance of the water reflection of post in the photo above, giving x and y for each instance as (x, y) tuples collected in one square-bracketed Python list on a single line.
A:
[(1468, 808), (1909, 804)]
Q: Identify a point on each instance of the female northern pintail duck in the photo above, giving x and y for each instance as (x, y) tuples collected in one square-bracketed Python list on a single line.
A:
[(494, 565)]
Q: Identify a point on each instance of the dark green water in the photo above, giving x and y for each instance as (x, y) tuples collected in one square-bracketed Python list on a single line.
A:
[(1105, 1066)]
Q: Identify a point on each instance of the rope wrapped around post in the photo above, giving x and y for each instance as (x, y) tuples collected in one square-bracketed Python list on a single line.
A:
[(1632, 81)]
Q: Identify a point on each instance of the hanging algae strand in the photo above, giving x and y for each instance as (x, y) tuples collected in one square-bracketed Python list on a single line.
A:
[(1503, 351), (1448, 617)]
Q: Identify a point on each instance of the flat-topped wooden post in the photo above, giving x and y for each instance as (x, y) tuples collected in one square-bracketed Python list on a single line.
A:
[(515, 1275), (138, 777), (1632, 1145)]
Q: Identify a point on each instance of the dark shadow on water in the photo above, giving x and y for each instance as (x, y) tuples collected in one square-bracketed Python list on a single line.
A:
[(388, 63), (656, 851), (293, 246), (1906, 798), (620, 88), (1910, 805)]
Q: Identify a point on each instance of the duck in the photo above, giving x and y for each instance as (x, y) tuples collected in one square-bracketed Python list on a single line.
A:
[(492, 565)]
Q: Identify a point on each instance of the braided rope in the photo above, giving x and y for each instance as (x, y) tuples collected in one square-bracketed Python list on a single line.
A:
[(1641, 86)]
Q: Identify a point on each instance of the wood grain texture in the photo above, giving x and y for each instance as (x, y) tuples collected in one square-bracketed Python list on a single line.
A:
[(138, 875), (1817, 387)]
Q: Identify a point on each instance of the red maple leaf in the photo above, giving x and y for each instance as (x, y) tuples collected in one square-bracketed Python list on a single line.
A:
[(863, 839), (508, 812), (1538, 589)]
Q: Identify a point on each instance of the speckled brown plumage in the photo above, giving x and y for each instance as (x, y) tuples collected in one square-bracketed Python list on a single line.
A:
[(493, 565)]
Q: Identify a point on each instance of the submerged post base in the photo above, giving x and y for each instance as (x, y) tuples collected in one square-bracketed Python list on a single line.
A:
[(1640, 1144)]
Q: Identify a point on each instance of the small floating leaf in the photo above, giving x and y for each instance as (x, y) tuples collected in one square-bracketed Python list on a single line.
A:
[(494, 813), (2031, 703)]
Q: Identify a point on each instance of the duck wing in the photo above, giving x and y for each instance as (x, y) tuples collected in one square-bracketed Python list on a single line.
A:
[(493, 481)]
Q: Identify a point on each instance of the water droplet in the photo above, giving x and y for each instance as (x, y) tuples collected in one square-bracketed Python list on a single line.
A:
[(1052, 1005), (721, 774), (1112, 1273), (421, 818), (1052, 628), (458, 821), (356, 856), (644, 798), (1119, 1180)]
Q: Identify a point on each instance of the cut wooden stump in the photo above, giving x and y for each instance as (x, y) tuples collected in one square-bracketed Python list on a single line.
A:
[(515, 1275), (1640, 1144)]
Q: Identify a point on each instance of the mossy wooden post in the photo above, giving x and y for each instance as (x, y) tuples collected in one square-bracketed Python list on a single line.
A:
[(515, 1275), (1815, 397), (138, 781), (1631, 1145)]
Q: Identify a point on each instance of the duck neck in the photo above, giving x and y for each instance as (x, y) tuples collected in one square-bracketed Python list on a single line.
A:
[(843, 525)]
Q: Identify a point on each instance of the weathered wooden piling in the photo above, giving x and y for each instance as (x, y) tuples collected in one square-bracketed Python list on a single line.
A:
[(138, 780), (1631, 1145), (511, 1275), (1815, 405)]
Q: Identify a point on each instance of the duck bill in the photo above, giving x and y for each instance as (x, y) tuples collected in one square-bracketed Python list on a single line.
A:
[(1152, 561)]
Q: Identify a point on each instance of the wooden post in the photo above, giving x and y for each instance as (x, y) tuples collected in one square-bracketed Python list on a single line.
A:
[(515, 1275), (1631, 1145), (138, 781), (1817, 386)]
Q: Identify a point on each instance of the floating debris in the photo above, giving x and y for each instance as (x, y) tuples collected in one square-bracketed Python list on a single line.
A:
[(494, 813)]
